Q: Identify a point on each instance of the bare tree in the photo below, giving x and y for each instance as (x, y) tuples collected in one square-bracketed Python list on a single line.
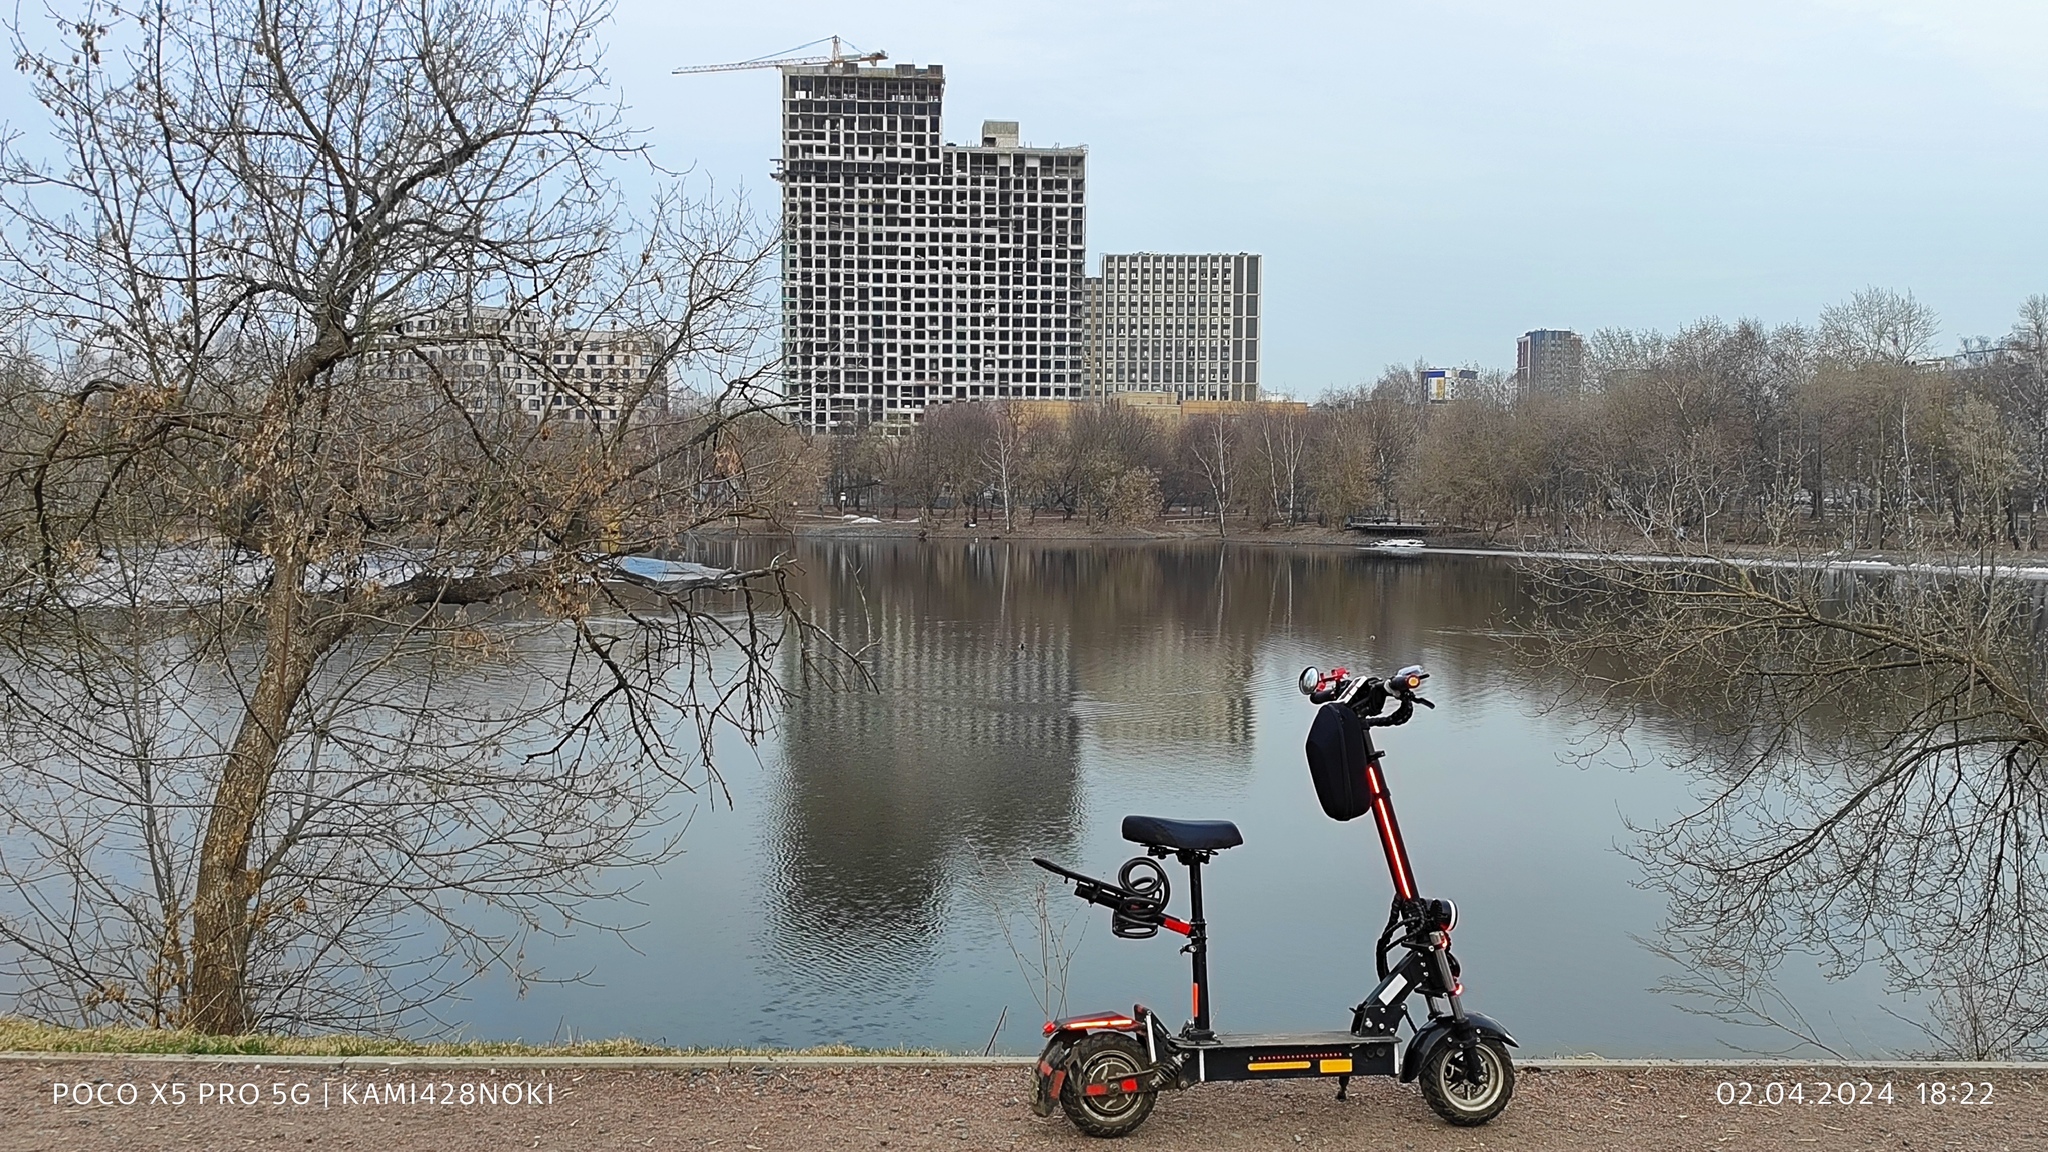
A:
[(1111, 460), (1283, 443), (1209, 442), (1004, 454), (944, 460), (265, 531), (2015, 371), (1869, 757), (1878, 324), (1462, 464)]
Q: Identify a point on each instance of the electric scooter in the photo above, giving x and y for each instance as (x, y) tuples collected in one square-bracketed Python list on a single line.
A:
[(1105, 1069)]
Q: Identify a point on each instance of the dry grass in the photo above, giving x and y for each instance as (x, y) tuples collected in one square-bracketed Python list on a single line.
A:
[(19, 1035)]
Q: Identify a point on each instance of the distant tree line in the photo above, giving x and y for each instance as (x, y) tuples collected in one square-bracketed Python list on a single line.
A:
[(1115, 464), (1849, 433)]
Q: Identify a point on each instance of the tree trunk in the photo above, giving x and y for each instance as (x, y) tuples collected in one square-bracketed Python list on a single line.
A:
[(1820, 479), (223, 910)]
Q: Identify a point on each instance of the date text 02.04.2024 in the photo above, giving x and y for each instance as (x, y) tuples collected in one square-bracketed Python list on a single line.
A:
[(1777, 1093)]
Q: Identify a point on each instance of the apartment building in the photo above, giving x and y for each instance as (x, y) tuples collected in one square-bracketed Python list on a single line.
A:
[(1187, 324), (498, 360), (1440, 385), (917, 272), (1549, 361)]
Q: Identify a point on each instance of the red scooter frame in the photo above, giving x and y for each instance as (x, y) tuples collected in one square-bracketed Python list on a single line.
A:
[(1105, 1069)]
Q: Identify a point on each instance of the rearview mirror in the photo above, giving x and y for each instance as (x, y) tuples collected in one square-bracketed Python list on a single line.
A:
[(1310, 677)]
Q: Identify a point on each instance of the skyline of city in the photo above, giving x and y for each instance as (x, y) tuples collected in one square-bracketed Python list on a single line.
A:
[(1585, 166), (1766, 161)]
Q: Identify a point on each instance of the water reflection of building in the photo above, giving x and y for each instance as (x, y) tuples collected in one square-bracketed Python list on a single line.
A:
[(992, 664), (961, 759), (1166, 687)]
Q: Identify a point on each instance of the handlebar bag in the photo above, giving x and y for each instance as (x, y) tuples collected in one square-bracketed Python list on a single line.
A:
[(1336, 762)]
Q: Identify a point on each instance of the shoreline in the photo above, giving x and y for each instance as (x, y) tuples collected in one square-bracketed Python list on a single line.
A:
[(2016, 566)]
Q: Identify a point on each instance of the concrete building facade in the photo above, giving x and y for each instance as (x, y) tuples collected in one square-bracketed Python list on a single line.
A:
[(1440, 385), (1181, 323), (1549, 362), (498, 360), (916, 272)]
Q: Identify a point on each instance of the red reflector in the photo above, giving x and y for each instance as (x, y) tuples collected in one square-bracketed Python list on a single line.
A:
[(1096, 1090), (1180, 926), (1129, 1085), (1090, 1024)]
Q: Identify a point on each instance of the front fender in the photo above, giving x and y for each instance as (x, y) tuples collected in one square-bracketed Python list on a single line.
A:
[(1443, 1028)]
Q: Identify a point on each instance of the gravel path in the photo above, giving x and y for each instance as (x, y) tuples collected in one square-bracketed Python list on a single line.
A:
[(911, 1109)]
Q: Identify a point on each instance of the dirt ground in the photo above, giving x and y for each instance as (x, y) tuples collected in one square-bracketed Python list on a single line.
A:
[(911, 1109)]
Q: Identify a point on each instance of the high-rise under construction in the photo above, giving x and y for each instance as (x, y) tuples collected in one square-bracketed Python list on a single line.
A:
[(917, 272)]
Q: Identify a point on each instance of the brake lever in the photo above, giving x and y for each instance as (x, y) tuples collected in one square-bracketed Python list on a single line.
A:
[(1421, 701)]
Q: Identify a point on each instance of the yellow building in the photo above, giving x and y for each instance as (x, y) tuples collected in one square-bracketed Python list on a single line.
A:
[(1163, 406)]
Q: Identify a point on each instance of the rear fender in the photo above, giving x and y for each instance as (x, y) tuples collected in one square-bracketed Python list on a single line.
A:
[(1049, 1075), (1143, 1026), (1442, 1029)]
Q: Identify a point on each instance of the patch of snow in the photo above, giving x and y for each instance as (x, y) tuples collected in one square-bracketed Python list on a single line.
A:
[(669, 574)]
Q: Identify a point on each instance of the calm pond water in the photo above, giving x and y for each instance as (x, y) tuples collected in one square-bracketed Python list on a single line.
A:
[(870, 881)]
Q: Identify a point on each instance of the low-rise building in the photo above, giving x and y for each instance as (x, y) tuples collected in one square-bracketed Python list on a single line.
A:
[(1442, 384), (1167, 407), (497, 360)]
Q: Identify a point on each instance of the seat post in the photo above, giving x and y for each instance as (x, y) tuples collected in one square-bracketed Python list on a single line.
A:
[(1198, 946)]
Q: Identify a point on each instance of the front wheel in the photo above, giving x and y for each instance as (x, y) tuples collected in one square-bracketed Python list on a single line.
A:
[(1468, 1085), (1106, 1062)]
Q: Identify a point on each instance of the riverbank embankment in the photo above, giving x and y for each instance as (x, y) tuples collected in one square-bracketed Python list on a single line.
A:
[(2016, 565), (908, 1104)]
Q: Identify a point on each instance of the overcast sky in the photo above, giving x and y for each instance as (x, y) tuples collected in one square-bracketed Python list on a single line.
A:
[(1428, 180)]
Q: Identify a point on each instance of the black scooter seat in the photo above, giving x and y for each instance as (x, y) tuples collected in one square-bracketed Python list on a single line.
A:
[(1184, 835)]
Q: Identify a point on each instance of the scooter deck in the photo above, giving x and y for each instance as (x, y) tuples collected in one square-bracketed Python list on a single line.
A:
[(1284, 1055)]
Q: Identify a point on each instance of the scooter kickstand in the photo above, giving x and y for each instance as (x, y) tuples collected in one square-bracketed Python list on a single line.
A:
[(1343, 1082)]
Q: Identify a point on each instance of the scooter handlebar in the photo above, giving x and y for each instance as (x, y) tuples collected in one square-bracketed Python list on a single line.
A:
[(1367, 694)]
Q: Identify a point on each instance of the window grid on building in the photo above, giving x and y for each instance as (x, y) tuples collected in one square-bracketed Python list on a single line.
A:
[(497, 360), (1181, 323), (916, 272)]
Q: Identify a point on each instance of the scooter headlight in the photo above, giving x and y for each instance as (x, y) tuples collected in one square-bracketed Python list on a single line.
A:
[(1444, 913)]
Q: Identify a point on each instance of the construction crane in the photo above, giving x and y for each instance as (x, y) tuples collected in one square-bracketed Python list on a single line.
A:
[(837, 57)]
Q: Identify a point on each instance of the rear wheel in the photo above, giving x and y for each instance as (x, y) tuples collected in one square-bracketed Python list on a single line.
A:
[(1105, 1061), (1468, 1085)]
